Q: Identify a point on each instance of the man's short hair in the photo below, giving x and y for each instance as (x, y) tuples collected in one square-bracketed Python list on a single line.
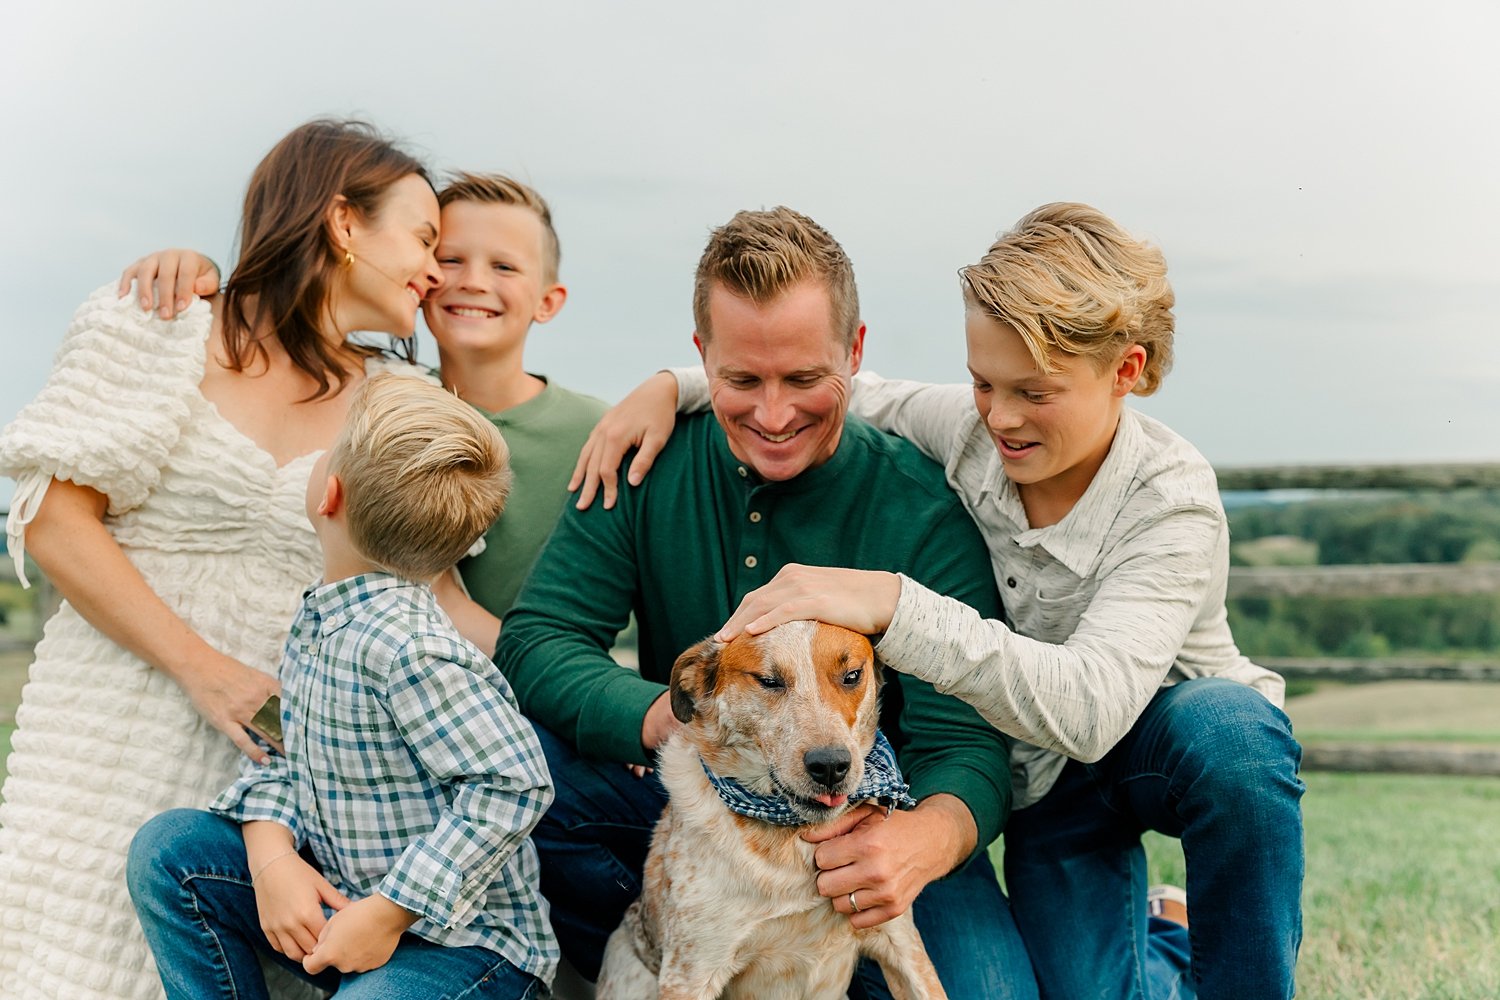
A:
[(424, 475), (498, 189), (760, 255), (1072, 282)]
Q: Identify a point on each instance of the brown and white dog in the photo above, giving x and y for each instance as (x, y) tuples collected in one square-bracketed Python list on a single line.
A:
[(730, 906)]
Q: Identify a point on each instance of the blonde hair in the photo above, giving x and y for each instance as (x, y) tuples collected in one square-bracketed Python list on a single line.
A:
[(424, 475), (1070, 281), (498, 189), (759, 255)]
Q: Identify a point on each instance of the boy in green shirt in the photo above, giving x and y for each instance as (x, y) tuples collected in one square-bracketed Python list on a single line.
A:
[(499, 256)]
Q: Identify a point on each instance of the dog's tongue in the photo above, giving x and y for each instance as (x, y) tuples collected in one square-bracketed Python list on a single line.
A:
[(832, 801)]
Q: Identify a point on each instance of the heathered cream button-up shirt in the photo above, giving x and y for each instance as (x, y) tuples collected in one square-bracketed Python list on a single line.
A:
[(1121, 597)]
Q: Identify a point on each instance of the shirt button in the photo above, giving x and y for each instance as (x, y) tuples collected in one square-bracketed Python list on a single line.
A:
[(755, 517), (743, 472), (751, 561), (1010, 581)]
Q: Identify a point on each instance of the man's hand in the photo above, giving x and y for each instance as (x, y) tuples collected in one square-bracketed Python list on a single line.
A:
[(360, 937), (656, 728), (884, 862)]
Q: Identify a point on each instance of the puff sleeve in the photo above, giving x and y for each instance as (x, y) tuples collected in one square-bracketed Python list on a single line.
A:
[(112, 409)]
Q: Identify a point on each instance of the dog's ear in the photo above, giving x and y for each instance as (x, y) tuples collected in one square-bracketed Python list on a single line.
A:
[(693, 676)]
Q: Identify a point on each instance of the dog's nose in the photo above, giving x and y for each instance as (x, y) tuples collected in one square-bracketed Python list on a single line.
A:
[(827, 765)]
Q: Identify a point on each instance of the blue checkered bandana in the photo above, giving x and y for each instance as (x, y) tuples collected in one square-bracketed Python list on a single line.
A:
[(882, 782)]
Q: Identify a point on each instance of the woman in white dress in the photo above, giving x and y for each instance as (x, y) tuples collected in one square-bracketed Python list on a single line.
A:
[(160, 477)]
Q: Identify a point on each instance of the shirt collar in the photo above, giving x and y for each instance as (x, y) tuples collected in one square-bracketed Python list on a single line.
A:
[(817, 478), (1078, 538), (334, 605)]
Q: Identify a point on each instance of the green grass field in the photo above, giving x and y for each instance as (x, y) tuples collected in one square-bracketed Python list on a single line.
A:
[(1402, 898)]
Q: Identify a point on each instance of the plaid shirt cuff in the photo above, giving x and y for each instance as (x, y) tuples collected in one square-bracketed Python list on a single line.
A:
[(249, 799), (426, 882)]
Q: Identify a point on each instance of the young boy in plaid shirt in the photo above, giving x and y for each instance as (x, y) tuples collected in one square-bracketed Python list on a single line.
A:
[(386, 854)]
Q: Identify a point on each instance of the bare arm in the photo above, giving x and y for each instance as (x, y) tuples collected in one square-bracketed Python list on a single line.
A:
[(289, 893), (473, 621), (70, 543)]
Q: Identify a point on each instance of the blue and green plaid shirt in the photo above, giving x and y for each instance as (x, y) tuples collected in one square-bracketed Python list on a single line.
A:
[(408, 769)]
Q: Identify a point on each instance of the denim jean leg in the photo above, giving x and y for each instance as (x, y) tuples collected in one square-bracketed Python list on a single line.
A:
[(967, 927), (190, 882), (592, 844), (1215, 763), (421, 970), (1076, 872)]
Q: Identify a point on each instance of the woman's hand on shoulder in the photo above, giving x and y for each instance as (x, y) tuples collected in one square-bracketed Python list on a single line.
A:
[(167, 280), (228, 694), (642, 420)]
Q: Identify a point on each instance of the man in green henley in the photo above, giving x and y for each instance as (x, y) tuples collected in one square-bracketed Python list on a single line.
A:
[(778, 473)]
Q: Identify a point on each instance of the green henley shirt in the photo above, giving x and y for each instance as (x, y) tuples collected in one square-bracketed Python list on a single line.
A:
[(681, 549)]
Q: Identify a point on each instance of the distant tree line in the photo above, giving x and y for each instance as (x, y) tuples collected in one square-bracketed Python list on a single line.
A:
[(1407, 528)]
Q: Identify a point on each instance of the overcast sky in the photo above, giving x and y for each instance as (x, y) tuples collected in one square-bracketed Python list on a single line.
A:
[(1324, 178)]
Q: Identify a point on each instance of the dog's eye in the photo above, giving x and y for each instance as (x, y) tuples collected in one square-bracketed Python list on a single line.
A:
[(770, 682), (852, 677)]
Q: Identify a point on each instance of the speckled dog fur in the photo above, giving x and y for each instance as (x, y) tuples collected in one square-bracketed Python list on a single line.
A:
[(730, 906)]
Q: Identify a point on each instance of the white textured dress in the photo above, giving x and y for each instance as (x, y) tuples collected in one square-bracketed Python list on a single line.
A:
[(104, 741)]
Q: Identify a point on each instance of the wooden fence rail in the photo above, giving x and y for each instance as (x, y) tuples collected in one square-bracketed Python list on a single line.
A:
[(1386, 668), (1376, 581), (1414, 476), (1389, 580), (1402, 758)]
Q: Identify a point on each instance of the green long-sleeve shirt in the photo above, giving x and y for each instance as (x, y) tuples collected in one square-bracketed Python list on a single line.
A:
[(681, 550)]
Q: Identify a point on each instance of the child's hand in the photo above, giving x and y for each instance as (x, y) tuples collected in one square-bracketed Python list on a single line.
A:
[(360, 937), (289, 898)]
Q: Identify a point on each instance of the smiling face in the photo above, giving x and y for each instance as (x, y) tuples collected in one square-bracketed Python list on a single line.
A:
[(497, 278), (790, 713), (1052, 430), (779, 378), (394, 266)]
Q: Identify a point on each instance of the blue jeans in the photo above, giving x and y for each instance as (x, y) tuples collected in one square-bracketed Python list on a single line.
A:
[(1213, 763), (190, 882), (593, 843)]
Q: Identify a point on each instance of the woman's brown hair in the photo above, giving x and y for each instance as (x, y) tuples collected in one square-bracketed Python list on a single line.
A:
[(288, 254)]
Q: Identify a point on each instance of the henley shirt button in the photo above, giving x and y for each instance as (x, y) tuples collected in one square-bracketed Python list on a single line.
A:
[(1010, 581), (743, 472), (750, 561), (755, 517)]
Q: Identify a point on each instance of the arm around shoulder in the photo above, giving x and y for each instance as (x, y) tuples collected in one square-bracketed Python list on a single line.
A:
[(932, 417)]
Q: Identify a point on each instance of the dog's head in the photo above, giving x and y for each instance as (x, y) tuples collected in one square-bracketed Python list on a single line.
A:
[(792, 712)]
